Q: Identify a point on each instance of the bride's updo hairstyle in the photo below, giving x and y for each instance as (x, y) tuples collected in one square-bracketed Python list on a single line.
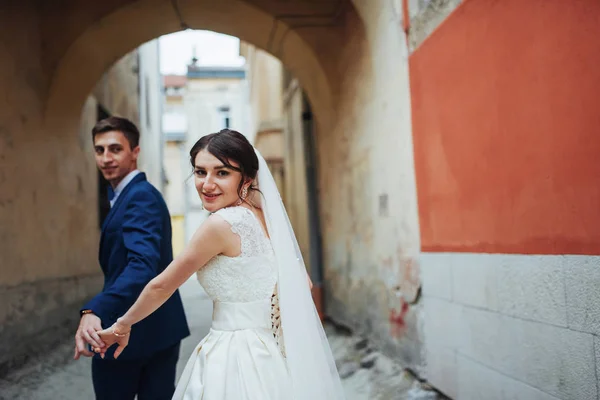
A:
[(228, 145)]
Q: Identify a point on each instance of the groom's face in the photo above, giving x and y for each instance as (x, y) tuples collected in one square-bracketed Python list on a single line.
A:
[(114, 156)]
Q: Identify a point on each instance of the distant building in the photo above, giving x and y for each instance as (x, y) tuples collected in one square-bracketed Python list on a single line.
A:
[(177, 170), (150, 106)]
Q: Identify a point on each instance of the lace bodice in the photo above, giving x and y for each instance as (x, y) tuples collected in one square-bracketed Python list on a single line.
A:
[(252, 275)]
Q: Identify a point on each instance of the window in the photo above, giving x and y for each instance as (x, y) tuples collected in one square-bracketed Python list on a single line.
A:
[(225, 117)]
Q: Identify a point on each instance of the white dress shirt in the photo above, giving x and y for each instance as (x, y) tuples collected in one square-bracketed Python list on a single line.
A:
[(128, 178)]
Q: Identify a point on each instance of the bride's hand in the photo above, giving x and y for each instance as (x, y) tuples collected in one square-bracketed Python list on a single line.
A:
[(118, 333)]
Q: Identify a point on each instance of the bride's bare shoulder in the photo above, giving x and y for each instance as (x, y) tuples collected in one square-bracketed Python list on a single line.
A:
[(217, 223)]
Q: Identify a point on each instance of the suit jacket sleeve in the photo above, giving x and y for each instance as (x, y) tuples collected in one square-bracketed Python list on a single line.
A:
[(142, 224)]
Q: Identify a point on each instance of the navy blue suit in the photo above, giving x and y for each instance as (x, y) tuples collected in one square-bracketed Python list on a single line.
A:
[(135, 246)]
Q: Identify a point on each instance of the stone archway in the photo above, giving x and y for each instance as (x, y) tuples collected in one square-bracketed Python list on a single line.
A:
[(49, 186), (84, 61), (353, 67)]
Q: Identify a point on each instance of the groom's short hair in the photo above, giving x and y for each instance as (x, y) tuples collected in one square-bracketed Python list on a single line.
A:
[(123, 125)]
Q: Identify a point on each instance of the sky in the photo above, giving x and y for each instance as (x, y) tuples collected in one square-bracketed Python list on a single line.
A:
[(212, 49)]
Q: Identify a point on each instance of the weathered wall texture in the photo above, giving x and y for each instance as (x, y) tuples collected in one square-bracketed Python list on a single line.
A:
[(67, 184), (47, 197), (505, 133), (49, 227), (425, 16), (368, 200)]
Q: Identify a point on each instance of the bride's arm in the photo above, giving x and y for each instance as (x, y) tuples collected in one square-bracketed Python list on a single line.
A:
[(212, 238)]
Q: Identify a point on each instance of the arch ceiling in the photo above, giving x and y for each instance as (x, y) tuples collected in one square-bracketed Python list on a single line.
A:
[(100, 33)]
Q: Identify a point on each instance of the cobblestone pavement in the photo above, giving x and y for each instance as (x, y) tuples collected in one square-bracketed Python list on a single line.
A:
[(367, 374)]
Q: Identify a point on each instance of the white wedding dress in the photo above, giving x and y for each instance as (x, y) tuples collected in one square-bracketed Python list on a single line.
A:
[(243, 355)]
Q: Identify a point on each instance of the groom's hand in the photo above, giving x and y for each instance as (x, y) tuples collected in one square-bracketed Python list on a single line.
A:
[(86, 333)]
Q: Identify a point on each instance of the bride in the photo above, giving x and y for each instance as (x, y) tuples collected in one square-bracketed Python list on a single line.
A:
[(266, 341)]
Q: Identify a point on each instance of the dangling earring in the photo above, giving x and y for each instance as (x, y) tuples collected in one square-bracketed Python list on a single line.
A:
[(243, 197)]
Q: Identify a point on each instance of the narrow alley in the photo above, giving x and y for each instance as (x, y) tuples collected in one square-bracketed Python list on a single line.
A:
[(366, 374)]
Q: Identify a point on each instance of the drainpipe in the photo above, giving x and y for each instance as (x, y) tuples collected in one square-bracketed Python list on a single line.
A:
[(405, 19)]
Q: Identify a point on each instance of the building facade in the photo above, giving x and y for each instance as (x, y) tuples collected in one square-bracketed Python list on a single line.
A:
[(177, 167), (150, 106)]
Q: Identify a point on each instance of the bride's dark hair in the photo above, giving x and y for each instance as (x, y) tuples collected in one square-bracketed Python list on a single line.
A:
[(228, 145)]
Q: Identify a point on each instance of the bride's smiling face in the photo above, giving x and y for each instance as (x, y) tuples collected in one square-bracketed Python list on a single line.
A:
[(216, 183)]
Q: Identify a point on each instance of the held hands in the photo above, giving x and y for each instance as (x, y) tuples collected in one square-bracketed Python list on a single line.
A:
[(90, 332), (118, 333), (86, 333)]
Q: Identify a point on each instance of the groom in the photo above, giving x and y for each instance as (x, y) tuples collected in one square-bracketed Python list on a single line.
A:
[(135, 246)]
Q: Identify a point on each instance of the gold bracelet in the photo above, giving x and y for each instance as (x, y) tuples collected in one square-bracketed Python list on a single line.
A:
[(119, 334)]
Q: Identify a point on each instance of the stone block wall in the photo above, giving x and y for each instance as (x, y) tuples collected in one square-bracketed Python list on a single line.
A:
[(498, 324)]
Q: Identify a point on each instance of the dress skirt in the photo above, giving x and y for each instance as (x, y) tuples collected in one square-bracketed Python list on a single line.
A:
[(239, 358)]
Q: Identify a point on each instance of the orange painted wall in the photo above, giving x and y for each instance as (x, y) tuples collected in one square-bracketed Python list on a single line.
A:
[(506, 125)]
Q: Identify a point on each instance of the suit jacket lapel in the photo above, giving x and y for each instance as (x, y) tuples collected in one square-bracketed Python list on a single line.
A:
[(138, 178)]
